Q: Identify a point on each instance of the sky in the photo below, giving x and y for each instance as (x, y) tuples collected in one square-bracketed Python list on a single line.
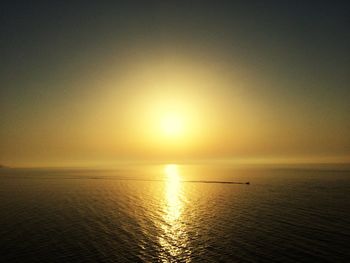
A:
[(100, 83)]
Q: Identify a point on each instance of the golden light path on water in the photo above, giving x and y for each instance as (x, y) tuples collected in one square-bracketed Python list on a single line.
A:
[(173, 239)]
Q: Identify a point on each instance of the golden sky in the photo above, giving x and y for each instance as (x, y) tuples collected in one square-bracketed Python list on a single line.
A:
[(141, 86)]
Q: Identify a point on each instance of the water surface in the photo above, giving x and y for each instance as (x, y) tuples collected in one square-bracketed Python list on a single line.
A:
[(173, 213)]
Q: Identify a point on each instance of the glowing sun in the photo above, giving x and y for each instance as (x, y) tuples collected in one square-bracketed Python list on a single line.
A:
[(172, 124)]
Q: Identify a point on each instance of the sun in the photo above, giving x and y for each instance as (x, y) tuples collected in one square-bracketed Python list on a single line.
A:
[(172, 124)]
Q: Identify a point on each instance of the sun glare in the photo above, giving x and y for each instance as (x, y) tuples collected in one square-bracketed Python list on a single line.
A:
[(174, 235), (172, 125), (172, 172)]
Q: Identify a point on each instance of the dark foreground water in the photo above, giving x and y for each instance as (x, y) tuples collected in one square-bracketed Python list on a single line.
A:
[(174, 214)]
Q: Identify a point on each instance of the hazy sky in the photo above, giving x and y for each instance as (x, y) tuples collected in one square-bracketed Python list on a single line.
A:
[(84, 83)]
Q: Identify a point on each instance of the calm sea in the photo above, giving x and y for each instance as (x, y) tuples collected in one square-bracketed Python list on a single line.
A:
[(173, 213)]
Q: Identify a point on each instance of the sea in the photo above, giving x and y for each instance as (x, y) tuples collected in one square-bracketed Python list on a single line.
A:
[(175, 213)]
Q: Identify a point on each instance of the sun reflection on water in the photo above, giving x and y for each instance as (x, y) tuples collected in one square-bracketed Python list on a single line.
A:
[(173, 239)]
